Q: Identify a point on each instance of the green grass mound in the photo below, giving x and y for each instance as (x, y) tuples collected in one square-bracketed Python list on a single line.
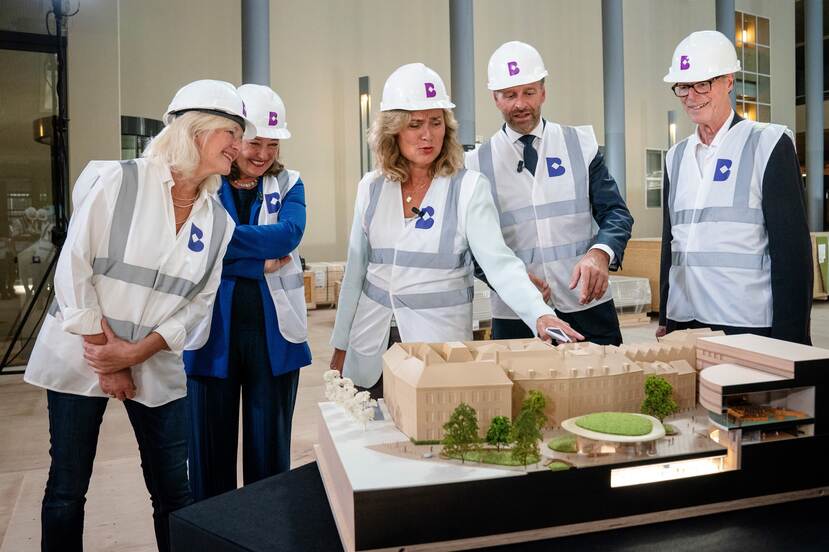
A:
[(670, 430), (491, 456), (616, 423), (565, 443), (558, 465)]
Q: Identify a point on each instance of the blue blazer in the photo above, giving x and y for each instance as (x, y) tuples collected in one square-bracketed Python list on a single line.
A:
[(246, 253)]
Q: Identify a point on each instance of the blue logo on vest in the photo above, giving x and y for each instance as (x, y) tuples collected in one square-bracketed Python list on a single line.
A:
[(723, 170), (426, 219), (554, 167), (195, 243), (272, 201)]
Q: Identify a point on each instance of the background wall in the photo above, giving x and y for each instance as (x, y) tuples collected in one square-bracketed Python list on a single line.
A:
[(129, 57)]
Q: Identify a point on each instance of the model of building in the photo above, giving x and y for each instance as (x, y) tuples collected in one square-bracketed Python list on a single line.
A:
[(678, 345), (424, 382)]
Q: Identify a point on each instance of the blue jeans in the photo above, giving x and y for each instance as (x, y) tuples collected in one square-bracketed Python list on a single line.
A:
[(74, 422)]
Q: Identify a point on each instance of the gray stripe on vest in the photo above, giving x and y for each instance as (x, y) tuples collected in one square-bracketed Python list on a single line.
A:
[(571, 141), (420, 301), (374, 190), (679, 152), (554, 252), (718, 214), (742, 185), (418, 259), (122, 328), (282, 181), (124, 210), (488, 169), (548, 210), (289, 282), (719, 260), (449, 222)]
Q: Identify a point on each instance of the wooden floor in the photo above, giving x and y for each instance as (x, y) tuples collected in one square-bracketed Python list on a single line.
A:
[(118, 514)]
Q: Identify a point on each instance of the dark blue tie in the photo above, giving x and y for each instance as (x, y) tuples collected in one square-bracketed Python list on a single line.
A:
[(530, 155)]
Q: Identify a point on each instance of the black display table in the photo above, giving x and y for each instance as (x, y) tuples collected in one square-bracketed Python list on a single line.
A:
[(290, 512)]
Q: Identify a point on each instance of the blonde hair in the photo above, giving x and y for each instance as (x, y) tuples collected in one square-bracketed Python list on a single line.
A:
[(176, 146), (383, 140)]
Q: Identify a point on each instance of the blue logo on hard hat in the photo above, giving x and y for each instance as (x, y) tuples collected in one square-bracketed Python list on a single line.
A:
[(272, 201), (554, 166), (426, 219), (195, 243), (723, 170)]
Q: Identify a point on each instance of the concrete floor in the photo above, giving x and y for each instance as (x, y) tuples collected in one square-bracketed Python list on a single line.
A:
[(118, 514)]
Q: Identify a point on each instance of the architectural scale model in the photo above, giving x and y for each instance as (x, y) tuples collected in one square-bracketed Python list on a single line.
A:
[(762, 405), (424, 382)]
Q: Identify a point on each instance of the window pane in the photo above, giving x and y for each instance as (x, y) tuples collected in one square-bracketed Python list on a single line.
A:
[(749, 29), (738, 30), (763, 60), (653, 167), (25, 16), (738, 85), (749, 57), (763, 89), (26, 206), (750, 111), (764, 113), (654, 198), (763, 31), (750, 87)]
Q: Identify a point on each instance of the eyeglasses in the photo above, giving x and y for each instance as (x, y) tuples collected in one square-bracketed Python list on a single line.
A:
[(701, 87)]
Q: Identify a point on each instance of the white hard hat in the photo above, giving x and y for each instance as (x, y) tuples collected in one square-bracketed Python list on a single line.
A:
[(414, 87), (266, 109), (30, 213), (703, 55), (513, 64), (42, 215), (213, 97)]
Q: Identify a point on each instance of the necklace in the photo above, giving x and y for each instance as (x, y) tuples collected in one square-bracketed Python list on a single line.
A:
[(244, 183), (184, 205), (414, 191)]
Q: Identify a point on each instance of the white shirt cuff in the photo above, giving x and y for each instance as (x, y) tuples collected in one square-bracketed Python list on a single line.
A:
[(606, 249)]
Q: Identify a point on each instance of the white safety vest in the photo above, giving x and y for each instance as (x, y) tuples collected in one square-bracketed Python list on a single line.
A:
[(720, 248), (123, 261), (286, 284), (546, 219), (419, 270)]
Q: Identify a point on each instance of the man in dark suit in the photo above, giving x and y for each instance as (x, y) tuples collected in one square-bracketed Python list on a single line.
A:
[(736, 254), (550, 185)]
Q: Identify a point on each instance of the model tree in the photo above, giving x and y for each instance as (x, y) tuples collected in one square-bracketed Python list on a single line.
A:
[(659, 401), (499, 432), (525, 436), (460, 433), (535, 404), (526, 430)]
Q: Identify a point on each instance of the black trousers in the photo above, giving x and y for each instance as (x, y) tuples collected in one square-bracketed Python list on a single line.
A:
[(598, 324)]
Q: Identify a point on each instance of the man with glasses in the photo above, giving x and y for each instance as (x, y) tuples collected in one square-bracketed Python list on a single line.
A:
[(736, 254), (550, 185)]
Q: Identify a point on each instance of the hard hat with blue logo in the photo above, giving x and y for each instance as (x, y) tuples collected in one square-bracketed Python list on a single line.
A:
[(267, 111), (701, 56), (213, 97), (514, 64), (414, 87)]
